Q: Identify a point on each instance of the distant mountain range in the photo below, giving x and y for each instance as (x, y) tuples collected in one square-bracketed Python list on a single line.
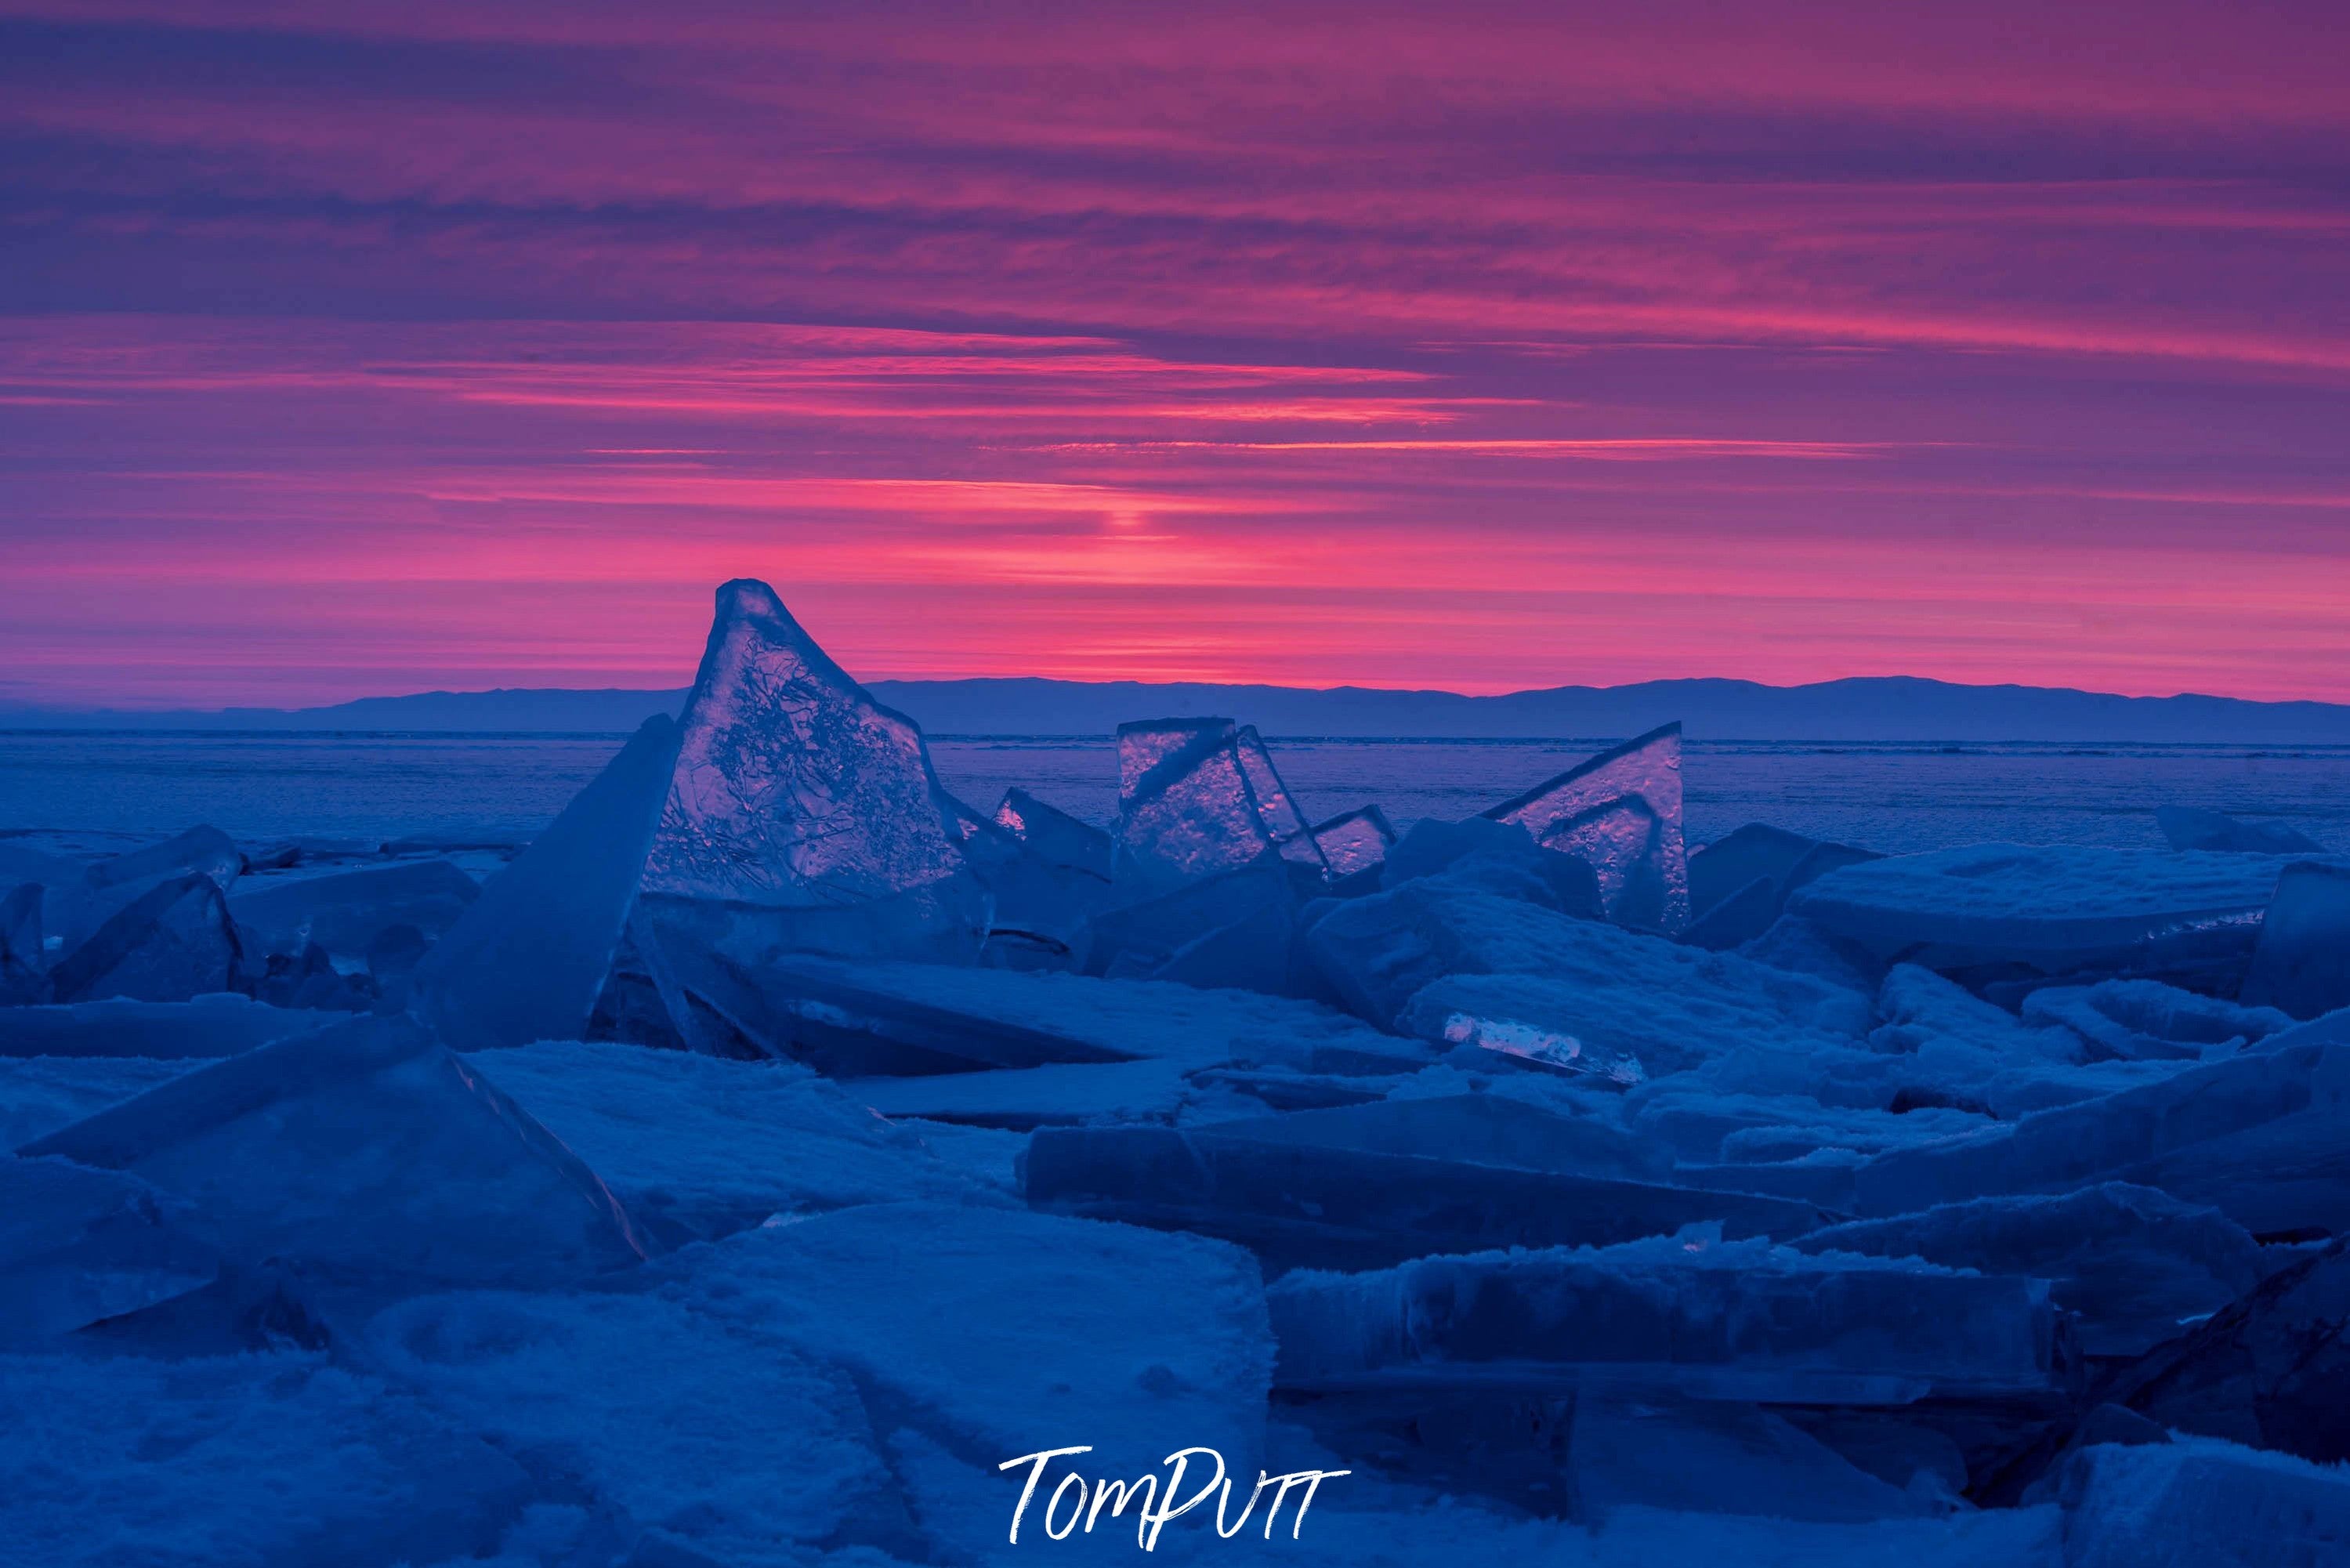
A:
[(1889, 708)]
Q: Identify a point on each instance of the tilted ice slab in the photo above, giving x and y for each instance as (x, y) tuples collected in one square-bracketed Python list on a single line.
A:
[(78, 1245), (1739, 885), (1200, 796), (1743, 1321), (345, 911), (367, 1153), (1620, 812), (697, 1148), (39, 1095), (1353, 842), (2257, 1136), (2055, 909), (802, 808), (2134, 1263), (171, 942), (1372, 1184), (2302, 962), (1053, 833), (527, 959)]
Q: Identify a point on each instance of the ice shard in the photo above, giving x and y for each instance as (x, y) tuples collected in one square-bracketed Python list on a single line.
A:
[(366, 1153), (527, 959), (1053, 833), (1621, 813), (2303, 963), (2189, 827), (345, 911), (1044, 898), (78, 1245), (173, 942), (803, 814), (1354, 842), (1197, 797), (2196, 1503)]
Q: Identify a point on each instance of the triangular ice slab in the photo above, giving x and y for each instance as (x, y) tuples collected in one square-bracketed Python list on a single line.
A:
[(369, 1155), (1621, 813), (171, 942), (794, 788), (527, 959)]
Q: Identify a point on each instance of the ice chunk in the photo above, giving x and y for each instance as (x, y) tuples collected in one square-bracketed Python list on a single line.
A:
[(1620, 812), (2271, 1369), (1739, 885), (1354, 842), (1251, 954), (207, 1026), (1195, 797), (2191, 827), (799, 799), (21, 957), (527, 958), (2202, 1504), (1044, 907), (1137, 939), (2256, 1136), (1019, 1099), (1741, 1321), (2133, 1020), (367, 1153), (1053, 833), (171, 942), (78, 1245), (1794, 943), (1372, 1184), (2133, 1264), (1993, 911), (344, 911), (203, 851), (696, 1147), (2303, 963)]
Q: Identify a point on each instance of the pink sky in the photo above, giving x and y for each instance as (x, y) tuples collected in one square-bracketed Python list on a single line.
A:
[(1473, 347)]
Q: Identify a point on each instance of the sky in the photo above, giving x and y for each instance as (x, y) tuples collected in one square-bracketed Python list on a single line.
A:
[(356, 350)]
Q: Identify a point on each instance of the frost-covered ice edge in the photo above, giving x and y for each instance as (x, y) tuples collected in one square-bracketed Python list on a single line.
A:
[(744, 1169)]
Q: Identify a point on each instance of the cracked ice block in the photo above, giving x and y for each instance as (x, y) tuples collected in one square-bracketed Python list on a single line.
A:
[(798, 797), (527, 959), (171, 942), (2303, 963), (1197, 797), (2136, 1264), (1621, 813), (1741, 1321), (368, 1154)]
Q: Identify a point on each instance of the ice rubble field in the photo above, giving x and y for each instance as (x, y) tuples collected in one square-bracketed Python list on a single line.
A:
[(745, 1170)]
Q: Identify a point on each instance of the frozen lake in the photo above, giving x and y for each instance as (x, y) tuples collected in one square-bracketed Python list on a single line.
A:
[(1894, 798)]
